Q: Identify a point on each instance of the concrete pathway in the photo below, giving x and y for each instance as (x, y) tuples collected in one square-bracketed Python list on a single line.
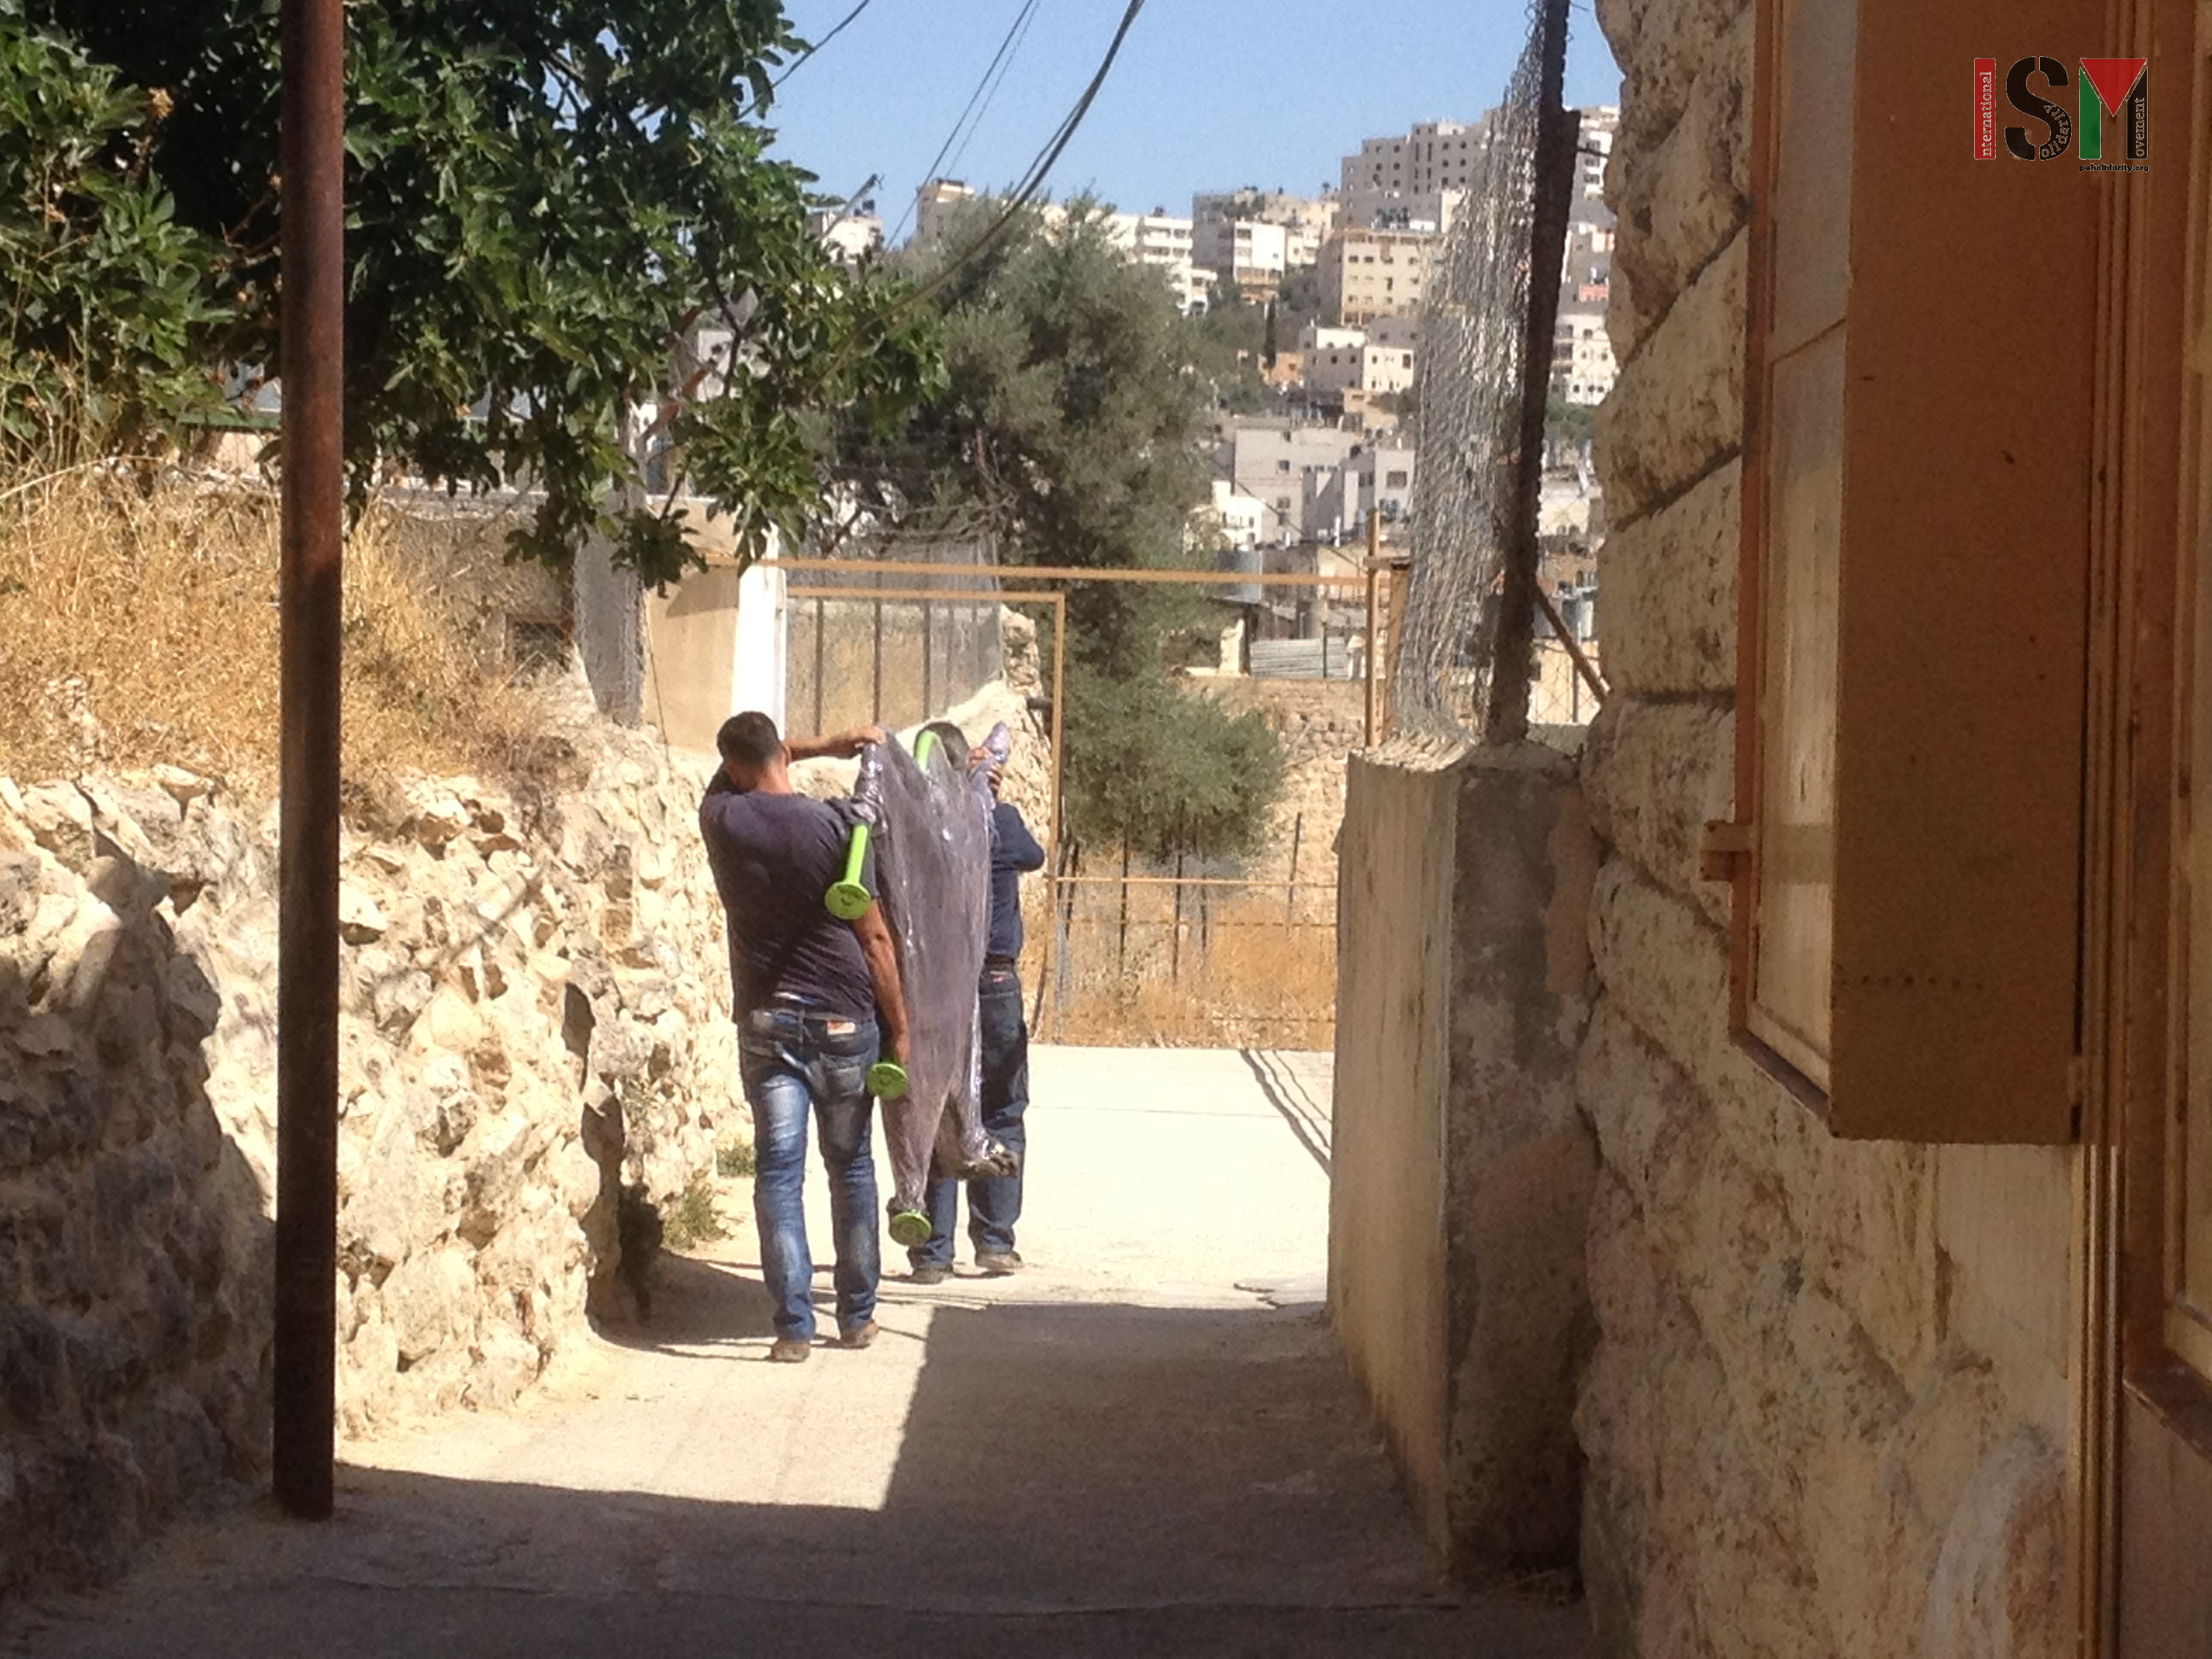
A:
[(1146, 1444)]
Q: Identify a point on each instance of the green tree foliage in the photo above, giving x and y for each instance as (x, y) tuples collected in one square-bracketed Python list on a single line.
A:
[(104, 290), (1570, 425), (1226, 345), (543, 197), (1074, 425)]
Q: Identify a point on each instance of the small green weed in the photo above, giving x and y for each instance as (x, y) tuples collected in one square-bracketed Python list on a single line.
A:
[(693, 1219)]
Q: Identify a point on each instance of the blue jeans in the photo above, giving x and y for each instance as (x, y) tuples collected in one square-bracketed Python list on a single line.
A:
[(993, 1204), (791, 1060)]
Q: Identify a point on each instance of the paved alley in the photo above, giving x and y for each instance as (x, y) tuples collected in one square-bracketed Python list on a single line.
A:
[(1146, 1444)]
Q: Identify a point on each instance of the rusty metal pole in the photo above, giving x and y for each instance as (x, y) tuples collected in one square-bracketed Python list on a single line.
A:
[(313, 371), (1514, 649)]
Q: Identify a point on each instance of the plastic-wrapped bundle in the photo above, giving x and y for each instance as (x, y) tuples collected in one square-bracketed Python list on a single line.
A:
[(932, 826)]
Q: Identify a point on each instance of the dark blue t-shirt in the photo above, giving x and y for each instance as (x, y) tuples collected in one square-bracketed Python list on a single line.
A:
[(1013, 851), (774, 858)]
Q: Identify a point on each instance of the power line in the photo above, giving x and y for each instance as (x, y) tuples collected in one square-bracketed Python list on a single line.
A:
[(1007, 46), (791, 68), (991, 97), (1032, 181)]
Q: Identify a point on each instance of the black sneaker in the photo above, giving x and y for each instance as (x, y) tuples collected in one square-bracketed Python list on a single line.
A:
[(929, 1273), (997, 1264)]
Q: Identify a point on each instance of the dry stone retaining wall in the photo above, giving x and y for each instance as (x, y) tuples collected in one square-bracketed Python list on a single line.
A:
[(1825, 1408), (534, 1019)]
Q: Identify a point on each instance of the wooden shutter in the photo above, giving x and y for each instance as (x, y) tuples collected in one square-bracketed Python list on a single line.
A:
[(1916, 548)]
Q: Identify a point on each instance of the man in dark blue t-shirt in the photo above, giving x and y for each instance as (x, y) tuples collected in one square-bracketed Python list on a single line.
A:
[(994, 1203), (817, 1001)]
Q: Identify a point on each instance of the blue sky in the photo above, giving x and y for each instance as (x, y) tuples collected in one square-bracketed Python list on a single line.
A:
[(1208, 94)]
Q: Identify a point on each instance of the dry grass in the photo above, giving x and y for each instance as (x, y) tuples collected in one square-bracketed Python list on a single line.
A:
[(139, 625), (1244, 975)]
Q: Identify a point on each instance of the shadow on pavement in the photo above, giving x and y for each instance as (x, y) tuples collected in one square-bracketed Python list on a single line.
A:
[(1071, 1480)]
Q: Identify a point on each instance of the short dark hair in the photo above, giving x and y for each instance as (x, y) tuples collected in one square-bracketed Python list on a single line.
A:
[(749, 739), (953, 741)]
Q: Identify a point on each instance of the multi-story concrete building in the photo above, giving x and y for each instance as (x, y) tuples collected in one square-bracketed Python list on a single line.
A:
[(1413, 181), (1372, 475), (1360, 362), (848, 238), (1285, 464), (1248, 254), (1366, 274), (1583, 366), (1162, 240), (1306, 221)]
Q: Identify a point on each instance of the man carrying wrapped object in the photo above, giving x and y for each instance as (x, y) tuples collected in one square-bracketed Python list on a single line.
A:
[(927, 819), (809, 988)]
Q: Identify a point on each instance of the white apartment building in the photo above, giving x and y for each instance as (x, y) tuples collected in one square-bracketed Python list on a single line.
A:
[(1320, 336), (1284, 463), (1583, 366), (1382, 357), (1306, 221), (1367, 368), (1248, 253), (1242, 518), (1366, 274), (848, 238), (1163, 242)]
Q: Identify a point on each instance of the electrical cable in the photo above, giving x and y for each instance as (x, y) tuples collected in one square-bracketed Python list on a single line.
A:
[(1018, 28), (1041, 167), (1032, 181), (991, 97), (791, 68)]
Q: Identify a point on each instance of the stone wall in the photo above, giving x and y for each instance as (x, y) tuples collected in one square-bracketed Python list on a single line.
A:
[(535, 1022), (1319, 722), (1826, 1408)]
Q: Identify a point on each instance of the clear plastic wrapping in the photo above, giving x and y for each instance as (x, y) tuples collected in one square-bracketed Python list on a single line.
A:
[(933, 828)]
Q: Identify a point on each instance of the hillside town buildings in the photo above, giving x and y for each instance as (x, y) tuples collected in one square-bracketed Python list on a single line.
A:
[(1413, 177), (1366, 274), (1164, 241), (1306, 222)]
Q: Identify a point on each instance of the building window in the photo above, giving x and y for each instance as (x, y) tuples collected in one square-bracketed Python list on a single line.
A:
[(1395, 481)]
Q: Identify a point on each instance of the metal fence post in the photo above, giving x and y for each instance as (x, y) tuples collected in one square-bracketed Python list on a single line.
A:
[(310, 603)]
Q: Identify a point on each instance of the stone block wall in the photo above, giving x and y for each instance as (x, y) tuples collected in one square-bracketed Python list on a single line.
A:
[(1827, 1405), (534, 1022)]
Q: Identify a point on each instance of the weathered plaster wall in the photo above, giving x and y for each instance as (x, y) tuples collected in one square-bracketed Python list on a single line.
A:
[(1826, 1412), (1461, 1164), (534, 1018), (1386, 1198)]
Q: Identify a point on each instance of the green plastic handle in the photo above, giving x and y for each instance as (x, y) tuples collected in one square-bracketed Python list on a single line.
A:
[(922, 745), (848, 900), (887, 1080)]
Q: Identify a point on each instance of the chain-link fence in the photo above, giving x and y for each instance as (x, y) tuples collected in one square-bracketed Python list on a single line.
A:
[(1480, 656)]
